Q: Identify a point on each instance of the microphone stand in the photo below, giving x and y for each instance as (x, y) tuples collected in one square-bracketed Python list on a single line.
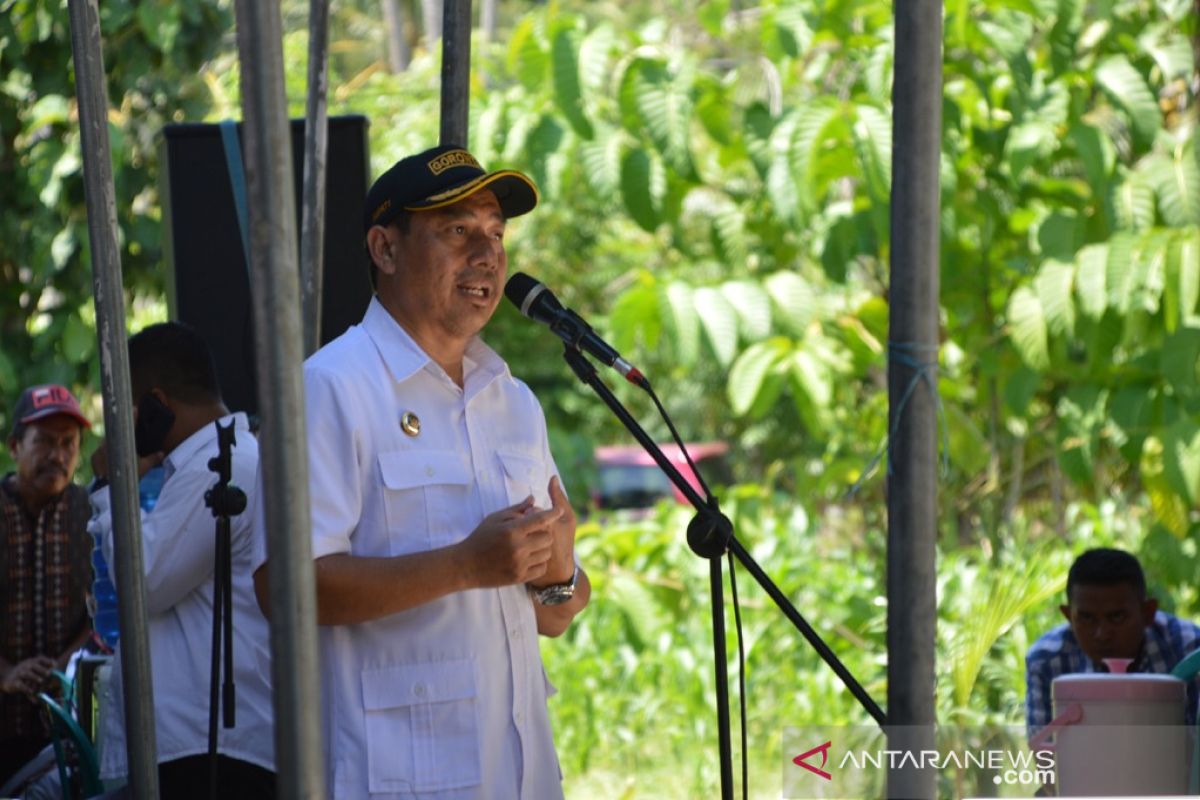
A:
[(710, 535), (226, 500)]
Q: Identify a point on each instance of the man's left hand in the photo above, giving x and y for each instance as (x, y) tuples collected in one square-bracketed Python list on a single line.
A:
[(562, 554)]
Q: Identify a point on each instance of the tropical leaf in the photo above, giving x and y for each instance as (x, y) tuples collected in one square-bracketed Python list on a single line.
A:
[(1178, 360), (1053, 288), (748, 375), (780, 182), (795, 299), (636, 314), (1096, 152), (642, 188), (873, 145), (1127, 89), (814, 124), (595, 59), (1027, 328), (1188, 244), (1081, 415), (1090, 281), (527, 58), (1133, 202), (658, 101), (568, 93), (716, 111), (1167, 505), (1181, 460), (1132, 414), (681, 302), (601, 159), (730, 240), (1027, 143), (1170, 49), (1121, 272), (813, 382), (1005, 597), (1064, 36), (753, 307), (1175, 178), (720, 323)]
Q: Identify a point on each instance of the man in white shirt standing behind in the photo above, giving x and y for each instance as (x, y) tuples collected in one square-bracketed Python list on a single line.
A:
[(175, 386), (444, 543)]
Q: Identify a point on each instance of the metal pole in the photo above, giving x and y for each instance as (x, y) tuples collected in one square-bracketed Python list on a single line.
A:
[(316, 148), (399, 54), (100, 197), (487, 20), (912, 381), (299, 757), (456, 71)]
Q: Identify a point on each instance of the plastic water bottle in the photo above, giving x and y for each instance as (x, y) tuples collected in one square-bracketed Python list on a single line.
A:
[(149, 487), (106, 621)]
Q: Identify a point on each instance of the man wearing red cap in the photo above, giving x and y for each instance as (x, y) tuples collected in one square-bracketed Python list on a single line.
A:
[(45, 564)]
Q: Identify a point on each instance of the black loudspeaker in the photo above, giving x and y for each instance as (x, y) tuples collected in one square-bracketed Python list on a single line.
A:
[(208, 277)]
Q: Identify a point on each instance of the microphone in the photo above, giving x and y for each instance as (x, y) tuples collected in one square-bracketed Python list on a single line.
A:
[(539, 304)]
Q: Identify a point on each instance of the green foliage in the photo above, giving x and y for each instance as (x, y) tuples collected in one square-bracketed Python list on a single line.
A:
[(153, 53)]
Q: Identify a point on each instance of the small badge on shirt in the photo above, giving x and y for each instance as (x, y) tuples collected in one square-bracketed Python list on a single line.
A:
[(410, 423)]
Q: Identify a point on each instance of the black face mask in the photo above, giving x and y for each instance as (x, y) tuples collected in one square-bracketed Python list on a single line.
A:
[(154, 421)]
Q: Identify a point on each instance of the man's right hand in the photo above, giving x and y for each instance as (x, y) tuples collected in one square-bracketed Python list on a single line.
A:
[(511, 546), (28, 676)]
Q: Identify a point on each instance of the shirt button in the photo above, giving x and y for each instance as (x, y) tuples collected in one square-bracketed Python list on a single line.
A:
[(515, 633), (419, 689), (429, 471)]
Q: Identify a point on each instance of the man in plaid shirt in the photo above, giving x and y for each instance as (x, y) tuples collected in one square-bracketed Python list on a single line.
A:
[(1108, 616)]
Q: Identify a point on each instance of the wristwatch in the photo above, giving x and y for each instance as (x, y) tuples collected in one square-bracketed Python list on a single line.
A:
[(558, 593)]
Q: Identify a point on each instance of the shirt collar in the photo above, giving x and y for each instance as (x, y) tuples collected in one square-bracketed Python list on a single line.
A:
[(404, 357), (189, 447)]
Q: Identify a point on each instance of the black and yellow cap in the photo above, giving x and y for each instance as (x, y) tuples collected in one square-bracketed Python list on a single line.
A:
[(439, 177)]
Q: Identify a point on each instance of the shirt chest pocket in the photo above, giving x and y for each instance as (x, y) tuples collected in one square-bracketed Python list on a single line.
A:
[(523, 477), (422, 727), (425, 492)]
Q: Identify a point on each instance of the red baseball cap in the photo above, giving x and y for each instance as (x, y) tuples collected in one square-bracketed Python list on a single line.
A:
[(39, 402)]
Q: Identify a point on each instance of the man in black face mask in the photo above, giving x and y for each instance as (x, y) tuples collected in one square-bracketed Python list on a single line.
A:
[(178, 400)]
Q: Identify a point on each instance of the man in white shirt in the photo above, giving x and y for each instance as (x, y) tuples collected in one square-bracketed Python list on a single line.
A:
[(444, 543), (179, 400)]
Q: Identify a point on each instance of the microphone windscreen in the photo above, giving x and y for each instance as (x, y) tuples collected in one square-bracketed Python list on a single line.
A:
[(532, 297), (518, 287)]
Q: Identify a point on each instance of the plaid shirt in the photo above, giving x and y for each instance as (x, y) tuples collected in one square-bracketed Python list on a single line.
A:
[(1056, 653), (45, 572)]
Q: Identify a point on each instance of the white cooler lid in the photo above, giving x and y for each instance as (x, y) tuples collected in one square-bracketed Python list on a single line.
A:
[(1130, 686)]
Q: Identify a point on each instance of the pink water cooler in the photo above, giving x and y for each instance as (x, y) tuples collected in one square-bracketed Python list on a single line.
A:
[(1119, 735)]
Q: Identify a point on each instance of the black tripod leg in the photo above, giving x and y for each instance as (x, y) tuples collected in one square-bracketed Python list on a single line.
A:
[(228, 609), (215, 674), (722, 676)]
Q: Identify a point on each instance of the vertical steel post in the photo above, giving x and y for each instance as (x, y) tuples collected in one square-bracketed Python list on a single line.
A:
[(912, 382), (100, 197), (316, 148), (488, 21), (456, 71), (299, 757)]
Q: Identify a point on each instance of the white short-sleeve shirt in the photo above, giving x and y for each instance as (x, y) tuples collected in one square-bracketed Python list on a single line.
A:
[(446, 700)]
